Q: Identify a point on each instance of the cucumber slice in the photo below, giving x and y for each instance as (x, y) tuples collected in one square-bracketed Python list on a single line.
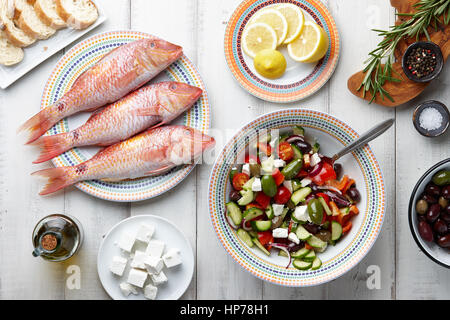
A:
[(317, 263), (316, 243), (300, 195), (300, 253), (310, 256), (302, 233), (253, 234), (296, 184), (281, 253), (261, 225), (301, 265), (325, 206), (298, 130), (345, 211), (260, 246), (252, 213), (336, 230), (234, 212), (247, 197), (297, 153), (283, 137), (269, 212), (248, 185), (245, 237)]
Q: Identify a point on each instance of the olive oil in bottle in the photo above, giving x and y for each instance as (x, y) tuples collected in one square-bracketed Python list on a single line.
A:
[(57, 237)]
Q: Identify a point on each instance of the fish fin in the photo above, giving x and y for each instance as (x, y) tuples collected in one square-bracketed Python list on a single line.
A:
[(159, 124), (159, 171), (152, 154), (110, 180), (37, 125), (52, 146), (148, 111), (58, 178)]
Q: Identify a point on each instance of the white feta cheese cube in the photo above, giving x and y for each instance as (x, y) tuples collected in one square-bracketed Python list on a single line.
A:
[(305, 182), (158, 278), (315, 159), (277, 209), (153, 264), (138, 260), (246, 169), (118, 265), (267, 165), (256, 185), (288, 185), (127, 289), (126, 242), (278, 163), (155, 248), (172, 258), (150, 292), (145, 232), (280, 233), (301, 213), (137, 277), (293, 237)]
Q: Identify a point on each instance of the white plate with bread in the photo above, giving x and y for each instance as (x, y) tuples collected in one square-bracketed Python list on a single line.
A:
[(31, 31)]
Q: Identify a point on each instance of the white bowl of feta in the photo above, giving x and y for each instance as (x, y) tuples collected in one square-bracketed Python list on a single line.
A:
[(145, 257)]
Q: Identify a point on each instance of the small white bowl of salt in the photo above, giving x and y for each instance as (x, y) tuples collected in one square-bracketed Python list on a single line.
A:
[(431, 118)]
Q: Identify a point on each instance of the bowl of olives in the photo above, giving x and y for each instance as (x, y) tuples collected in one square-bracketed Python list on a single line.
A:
[(429, 213)]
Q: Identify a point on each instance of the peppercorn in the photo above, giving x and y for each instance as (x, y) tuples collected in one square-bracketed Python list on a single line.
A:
[(421, 62)]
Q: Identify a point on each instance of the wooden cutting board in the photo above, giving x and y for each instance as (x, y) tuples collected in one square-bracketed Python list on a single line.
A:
[(405, 90)]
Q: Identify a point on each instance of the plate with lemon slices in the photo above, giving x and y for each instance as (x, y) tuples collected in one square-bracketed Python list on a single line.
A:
[(282, 50)]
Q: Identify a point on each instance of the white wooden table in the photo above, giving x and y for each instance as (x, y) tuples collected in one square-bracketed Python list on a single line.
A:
[(199, 25)]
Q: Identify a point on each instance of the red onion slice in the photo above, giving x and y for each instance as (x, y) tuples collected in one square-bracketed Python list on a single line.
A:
[(330, 188), (316, 170), (244, 225), (295, 138), (285, 249)]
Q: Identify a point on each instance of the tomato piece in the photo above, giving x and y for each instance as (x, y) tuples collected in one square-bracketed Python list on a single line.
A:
[(264, 147), (239, 180), (285, 151), (262, 199), (302, 174), (251, 158), (283, 195), (278, 176), (326, 174), (324, 196), (265, 237)]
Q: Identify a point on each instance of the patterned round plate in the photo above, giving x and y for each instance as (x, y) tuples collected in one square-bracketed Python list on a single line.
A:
[(332, 134), (69, 68), (300, 79)]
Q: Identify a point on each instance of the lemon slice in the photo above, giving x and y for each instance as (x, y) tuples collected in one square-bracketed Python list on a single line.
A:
[(295, 19), (274, 19), (257, 37), (311, 45)]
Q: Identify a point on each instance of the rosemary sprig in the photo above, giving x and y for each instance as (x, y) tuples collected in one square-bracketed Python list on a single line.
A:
[(428, 12)]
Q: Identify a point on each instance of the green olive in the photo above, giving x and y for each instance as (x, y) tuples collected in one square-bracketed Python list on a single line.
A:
[(292, 169), (315, 211), (269, 186), (421, 207), (442, 178), (443, 202)]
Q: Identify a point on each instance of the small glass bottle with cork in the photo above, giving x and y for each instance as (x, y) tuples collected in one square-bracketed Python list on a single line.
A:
[(57, 237)]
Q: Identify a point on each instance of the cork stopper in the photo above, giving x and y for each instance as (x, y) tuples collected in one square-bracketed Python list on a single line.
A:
[(49, 242)]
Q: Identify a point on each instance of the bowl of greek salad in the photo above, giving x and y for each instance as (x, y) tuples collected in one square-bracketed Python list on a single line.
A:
[(284, 210)]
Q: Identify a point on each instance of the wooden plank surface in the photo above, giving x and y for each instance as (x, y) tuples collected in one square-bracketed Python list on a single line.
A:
[(199, 25)]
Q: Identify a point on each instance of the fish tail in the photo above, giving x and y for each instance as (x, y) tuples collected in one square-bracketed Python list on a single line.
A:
[(38, 124), (58, 178), (52, 146)]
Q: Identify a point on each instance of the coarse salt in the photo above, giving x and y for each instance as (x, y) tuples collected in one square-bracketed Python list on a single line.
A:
[(430, 119)]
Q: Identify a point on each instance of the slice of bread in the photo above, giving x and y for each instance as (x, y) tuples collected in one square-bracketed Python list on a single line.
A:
[(9, 54), (15, 35), (78, 14), (46, 11), (30, 23)]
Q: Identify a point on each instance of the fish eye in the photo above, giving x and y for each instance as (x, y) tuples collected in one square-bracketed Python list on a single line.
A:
[(152, 44), (173, 87)]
